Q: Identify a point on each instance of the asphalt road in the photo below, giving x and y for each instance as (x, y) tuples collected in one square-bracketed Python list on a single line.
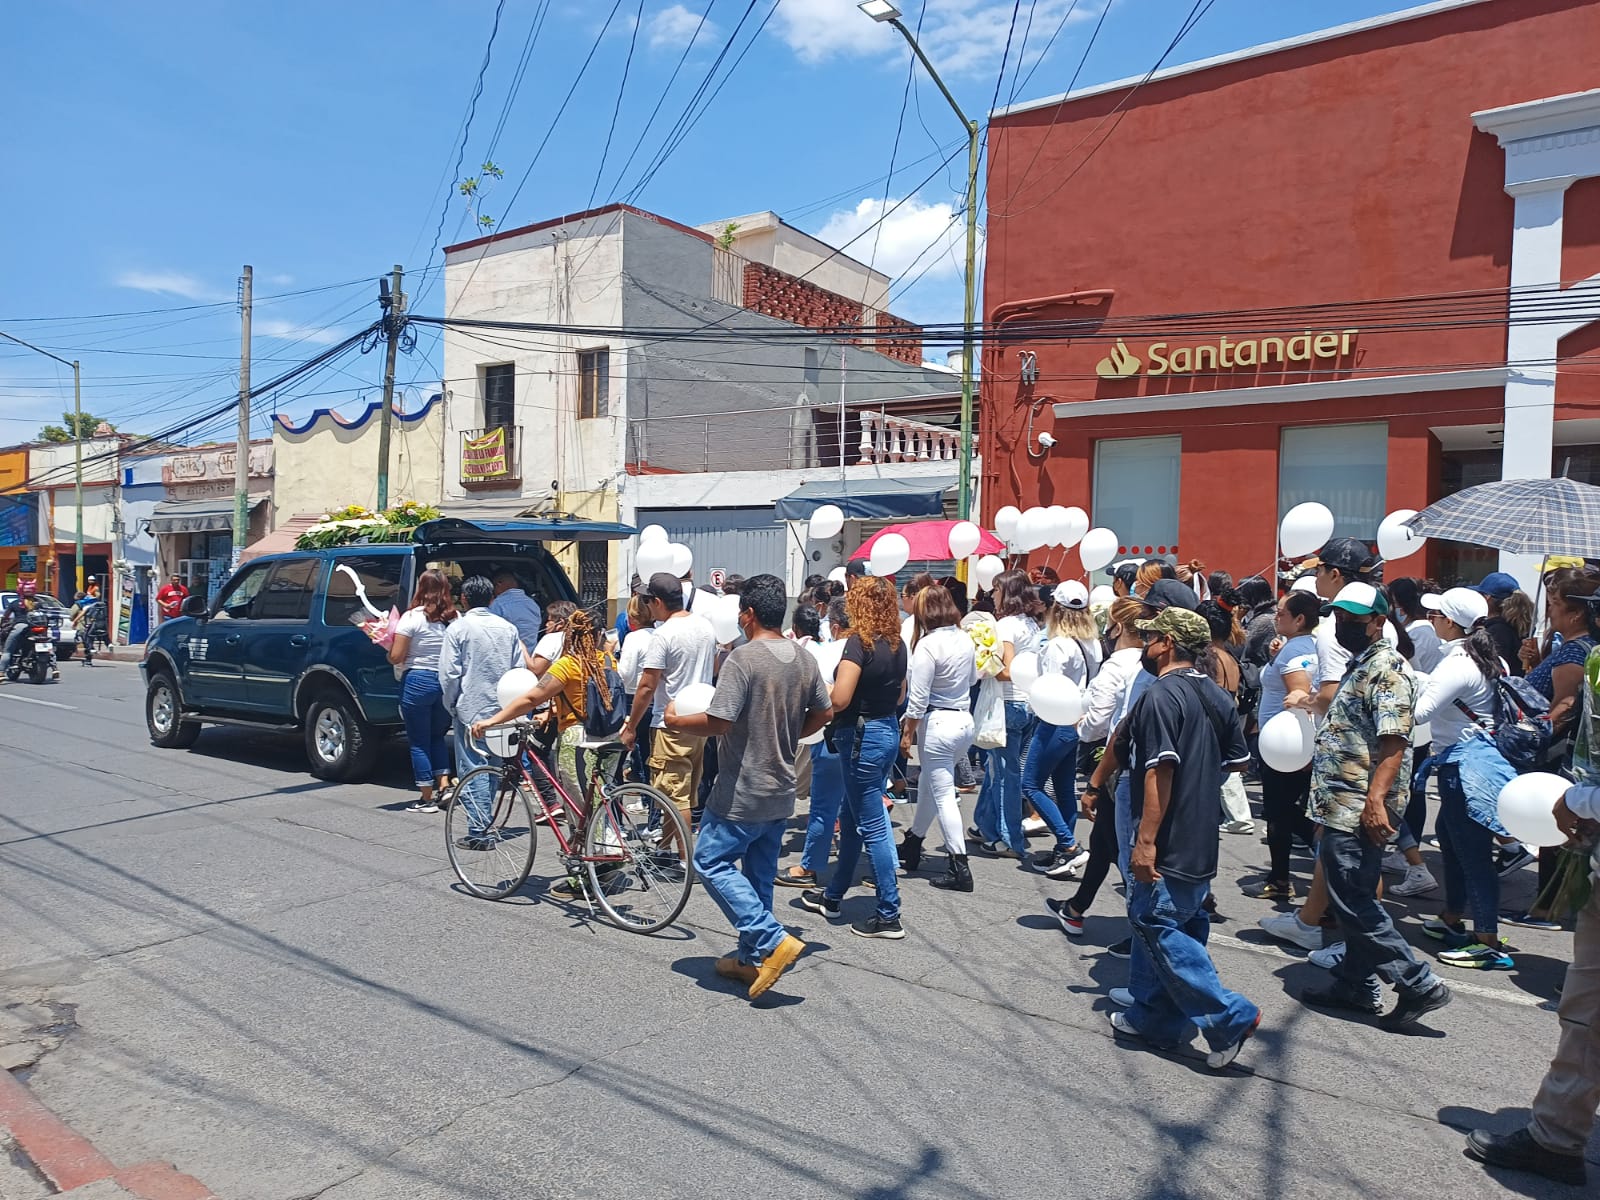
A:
[(270, 982)]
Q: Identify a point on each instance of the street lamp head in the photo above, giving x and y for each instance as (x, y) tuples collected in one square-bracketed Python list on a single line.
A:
[(879, 10)]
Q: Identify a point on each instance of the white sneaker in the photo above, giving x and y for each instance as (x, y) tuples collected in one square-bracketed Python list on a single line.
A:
[(1121, 997), (1076, 866), (1288, 927), (1418, 881), (1238, 827), (1034, 827), (1328, 957), (1395, 863)]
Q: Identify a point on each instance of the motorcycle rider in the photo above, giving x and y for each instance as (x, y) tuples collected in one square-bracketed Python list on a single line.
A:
[(14, 621)]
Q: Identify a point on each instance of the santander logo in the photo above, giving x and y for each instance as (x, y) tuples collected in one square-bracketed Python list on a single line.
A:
[(1119, 364)]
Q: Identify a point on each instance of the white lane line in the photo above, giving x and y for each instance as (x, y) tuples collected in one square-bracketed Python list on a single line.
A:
[(1456, 985), (6, 695)]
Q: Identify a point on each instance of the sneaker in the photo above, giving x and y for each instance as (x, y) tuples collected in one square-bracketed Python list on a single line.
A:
[(1219, 1059), (1271, 889), (776, 963), (1064, 862), (1441, 931), (1122, 949), (1477, 957), (816, 900), (876, 927), (1512, 857), (1288, 927), (1034, 827), (1519, 1152), (423, 806), (1328, 957), (1415, 1004), (795, 877), (1238, 827), (1529, 921), (1121, 1024), (1395, 863), (1071, 922), (740, 972), (476, 842), (1121, 997), (996, 849), (1419, 881), (570, 890), (1340, 998)]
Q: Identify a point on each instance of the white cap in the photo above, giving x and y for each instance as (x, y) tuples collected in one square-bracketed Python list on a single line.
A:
[(1465, 606), (1306, 583), (1071, 594)]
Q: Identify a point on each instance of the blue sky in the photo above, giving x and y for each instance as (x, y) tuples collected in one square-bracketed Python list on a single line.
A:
[(153, 148)]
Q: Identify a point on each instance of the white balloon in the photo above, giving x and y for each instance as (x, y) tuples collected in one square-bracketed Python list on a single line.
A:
[(693, 700), (1060, 524), (724, 618), (1305, 527), (1005, 522), (889, 553), (1287, 740), (653, 558), (1056, 699), (514, 685), (1077, 526), (987, 570), (1395, 541), (964, 539), (837, 575), (825, 522), (1526, 807), (682, 559), (1096, 548), (1024, 670), (1033, 531), (1102, 595), (652, 533)]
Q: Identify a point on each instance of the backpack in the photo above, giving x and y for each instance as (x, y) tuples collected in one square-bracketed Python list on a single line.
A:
[(604, 708), (1522, 729)]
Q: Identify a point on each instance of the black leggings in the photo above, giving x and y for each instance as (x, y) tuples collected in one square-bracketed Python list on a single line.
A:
[(1283, 804), (1102, 853)]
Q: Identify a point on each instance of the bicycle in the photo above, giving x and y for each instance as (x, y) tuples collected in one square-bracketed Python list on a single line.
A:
[(630, 846)]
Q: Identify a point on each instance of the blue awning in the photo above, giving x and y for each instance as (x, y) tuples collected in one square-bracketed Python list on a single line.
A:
[(869, 499)]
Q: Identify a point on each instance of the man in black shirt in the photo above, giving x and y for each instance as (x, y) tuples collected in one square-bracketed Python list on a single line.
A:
[(1180, 736)]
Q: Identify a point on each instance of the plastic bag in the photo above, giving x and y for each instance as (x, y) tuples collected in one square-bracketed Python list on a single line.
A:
[(989, 716)]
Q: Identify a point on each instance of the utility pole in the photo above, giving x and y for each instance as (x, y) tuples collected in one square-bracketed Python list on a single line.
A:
[(394, 307), (77, 466), (241, 449)]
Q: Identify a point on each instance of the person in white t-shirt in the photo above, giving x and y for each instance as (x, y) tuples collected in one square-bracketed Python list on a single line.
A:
[(630, 666), (998, 816), (417, 640), (548, 648)]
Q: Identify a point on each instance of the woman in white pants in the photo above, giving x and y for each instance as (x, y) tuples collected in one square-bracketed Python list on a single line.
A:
[(938, 720)]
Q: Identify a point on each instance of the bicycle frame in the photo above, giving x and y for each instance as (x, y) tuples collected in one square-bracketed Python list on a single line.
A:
[(582, 810)]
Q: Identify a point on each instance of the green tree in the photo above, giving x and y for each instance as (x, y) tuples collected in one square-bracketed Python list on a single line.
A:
[(72, 427)]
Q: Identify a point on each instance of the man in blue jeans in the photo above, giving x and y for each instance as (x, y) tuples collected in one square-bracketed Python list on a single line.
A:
[(769, 695), (1178, 739)]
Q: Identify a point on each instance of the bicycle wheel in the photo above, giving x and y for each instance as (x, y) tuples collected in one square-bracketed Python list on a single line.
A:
[(489, 832), (638, 885)]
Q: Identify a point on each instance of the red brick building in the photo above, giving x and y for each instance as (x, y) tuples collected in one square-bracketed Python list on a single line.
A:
[(1360, 266)]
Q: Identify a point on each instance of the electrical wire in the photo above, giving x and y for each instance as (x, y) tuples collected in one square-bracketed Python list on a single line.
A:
[(622, 88)]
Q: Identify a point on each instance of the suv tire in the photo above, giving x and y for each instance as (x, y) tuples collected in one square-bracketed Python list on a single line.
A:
[(163, 715), (340, 745)]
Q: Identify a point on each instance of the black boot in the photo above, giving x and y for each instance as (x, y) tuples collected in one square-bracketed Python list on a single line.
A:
[(958, 878), (910, 853)]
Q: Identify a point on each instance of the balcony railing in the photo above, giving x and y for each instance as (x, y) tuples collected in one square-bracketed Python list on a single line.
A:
[(886, 439), (489, 458)]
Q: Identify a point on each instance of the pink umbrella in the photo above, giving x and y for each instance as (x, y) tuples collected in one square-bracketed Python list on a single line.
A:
[(930, 540)]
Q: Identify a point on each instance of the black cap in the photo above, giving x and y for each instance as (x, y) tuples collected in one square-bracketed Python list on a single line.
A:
[(665, 586), (856, 567), (1169, 593), (1347, 554)]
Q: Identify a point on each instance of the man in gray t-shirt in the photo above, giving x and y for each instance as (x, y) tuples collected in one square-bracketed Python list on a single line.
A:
[(770, 694)]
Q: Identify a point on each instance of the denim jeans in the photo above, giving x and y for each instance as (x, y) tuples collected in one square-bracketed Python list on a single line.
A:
[(1053, 756), (999, 812), (1471, 883), (1126, 825), (479, 799), (1172, 977), (866, 763), (426, 721), (1351, 863), (738, 861), (1416, 814), (827, 793)]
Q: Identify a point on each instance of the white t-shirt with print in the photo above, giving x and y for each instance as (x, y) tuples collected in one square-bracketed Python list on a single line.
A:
[(1023, 634)]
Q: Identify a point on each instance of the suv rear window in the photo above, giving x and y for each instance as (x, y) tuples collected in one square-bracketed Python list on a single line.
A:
[(378, 576)]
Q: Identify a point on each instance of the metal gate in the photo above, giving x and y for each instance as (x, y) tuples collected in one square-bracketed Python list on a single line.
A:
[(594, 572), (738, 541)]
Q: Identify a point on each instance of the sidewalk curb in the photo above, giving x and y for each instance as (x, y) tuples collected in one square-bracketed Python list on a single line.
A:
[(68, 1160)]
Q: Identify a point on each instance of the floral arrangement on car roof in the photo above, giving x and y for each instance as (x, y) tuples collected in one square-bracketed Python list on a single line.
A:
[(356, 523)]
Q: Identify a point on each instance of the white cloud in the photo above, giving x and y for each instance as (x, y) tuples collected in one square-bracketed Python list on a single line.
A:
[(673, 27), (914, 236), (168, 283), (277, 327), (280, 280)]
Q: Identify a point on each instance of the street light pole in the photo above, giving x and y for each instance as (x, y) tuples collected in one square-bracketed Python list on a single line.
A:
[(77, 437), (885, 12)]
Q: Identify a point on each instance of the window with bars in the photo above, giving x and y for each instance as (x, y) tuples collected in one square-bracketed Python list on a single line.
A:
[(499, 396), (594, 572), (594, 377)]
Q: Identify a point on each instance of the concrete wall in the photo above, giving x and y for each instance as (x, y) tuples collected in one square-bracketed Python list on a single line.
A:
[(327, 462), (764, 238)]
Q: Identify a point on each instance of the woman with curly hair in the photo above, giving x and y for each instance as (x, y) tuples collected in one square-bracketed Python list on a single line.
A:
[(867, 692), (998, 817), (417, 641)]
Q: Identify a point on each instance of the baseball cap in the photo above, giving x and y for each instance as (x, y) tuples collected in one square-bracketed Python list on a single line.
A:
[(1306, 583), (1465, 606), (664, 586), (856, 568), (1347, 554), (1497, 584), (1184, 626), (1071, 594), (1362, 599), (1169, 593)]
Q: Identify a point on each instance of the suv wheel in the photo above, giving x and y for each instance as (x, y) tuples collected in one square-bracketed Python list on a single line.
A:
[(339, 744), (163, 714)]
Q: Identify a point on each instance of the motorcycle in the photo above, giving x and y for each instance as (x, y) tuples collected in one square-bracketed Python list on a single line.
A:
[(37, 655)]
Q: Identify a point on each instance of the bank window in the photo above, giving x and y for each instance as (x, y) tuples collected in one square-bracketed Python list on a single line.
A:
[(1136, 493), (375, 577), (499, 396), (1345, 467), (241, 591), (287, 595), (594, 383)]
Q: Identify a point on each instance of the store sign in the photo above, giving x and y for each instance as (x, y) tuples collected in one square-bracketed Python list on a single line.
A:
[(484, 457), (210, 472), (27, 562), (1225, 354)]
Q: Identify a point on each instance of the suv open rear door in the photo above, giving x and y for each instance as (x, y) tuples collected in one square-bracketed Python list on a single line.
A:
[(453, 533)]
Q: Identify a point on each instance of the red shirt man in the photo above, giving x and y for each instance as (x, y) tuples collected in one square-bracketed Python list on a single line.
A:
[(170, 598)]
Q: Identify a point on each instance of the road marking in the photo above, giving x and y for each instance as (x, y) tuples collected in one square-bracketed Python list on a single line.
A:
[(1466, 989), (42, 703)]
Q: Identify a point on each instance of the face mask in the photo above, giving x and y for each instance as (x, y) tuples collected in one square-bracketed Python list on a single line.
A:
[(1353, 636), (1148, 663)]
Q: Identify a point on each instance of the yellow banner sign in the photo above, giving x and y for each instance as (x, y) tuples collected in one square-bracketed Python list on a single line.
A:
[(1225, 354), (484, 457)]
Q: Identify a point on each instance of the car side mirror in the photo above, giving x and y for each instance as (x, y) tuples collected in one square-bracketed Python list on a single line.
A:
[(195, 606)]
